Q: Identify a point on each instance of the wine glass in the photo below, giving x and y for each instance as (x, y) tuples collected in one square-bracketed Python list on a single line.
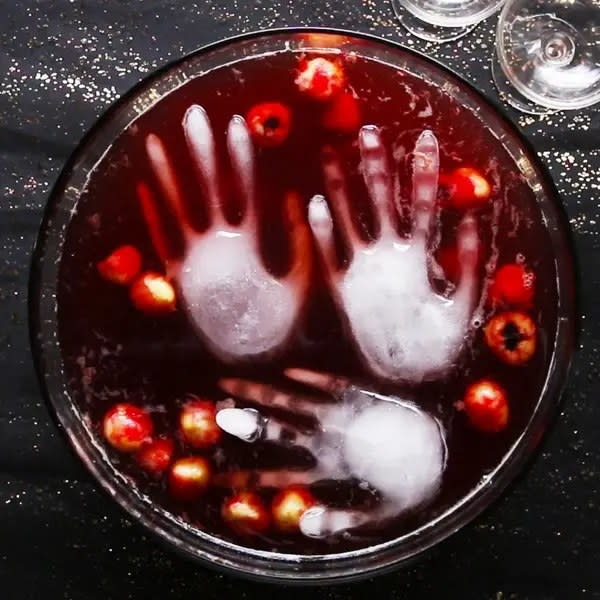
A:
[(548, 54), (443, 20)]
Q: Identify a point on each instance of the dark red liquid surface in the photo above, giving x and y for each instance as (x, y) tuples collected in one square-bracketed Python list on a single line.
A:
[(113, 353)]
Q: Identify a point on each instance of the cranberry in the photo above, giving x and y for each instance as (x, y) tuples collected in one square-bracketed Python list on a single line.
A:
[(467, 188), (122, 266), (245, 513), (486, 406), (153, 294), (198, 425), (288, 507), (269, 123), (320, 78), (511, 336), (513, 285), (126, 427), (343, 114), (155, 456), (189, 478)]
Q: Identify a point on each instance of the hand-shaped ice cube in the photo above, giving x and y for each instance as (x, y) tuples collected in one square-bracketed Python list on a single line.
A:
[(385, 442), (402, 328), (234, 303)]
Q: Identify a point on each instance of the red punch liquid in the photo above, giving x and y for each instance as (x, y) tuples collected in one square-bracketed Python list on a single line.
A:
[(115, 353)]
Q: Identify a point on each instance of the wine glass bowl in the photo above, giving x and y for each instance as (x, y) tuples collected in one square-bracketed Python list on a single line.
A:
[(549, 51)]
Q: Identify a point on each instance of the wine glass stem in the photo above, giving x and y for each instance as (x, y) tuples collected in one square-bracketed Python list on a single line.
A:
[(558, 49)]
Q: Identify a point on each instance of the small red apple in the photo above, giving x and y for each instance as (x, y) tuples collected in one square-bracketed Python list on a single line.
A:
[(343, 114), (198, 425), (245, 513), (126, 427), (189, 478), (486, 406), (153, 294), (269, 123), (289, 505), (511, 335), (156, 455), (467, 188), (320, 78), (513, 285), (122, 266)]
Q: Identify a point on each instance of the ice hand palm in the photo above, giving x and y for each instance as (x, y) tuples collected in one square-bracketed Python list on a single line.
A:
[(401, 326), (237, 305)]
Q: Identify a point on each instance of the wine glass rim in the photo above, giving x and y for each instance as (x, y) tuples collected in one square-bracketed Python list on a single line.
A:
[(449, 20)]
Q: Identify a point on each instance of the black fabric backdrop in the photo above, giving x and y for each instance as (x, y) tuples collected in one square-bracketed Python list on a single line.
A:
[(62, 63)]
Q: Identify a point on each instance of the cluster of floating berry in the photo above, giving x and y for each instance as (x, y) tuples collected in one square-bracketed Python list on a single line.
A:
[(150, 292), (321, 80), (129, 429), (511, 335)]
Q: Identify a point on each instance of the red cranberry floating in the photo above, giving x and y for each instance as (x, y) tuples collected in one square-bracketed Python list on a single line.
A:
[(126, 427), (269, 123), (155, 456), (245, 513), (467, 188), (320, 78), (513, 285), (511, 336), (486, 406), (288, 507), (189, 478), (152, 294), (343, 114), (198, 424), (122, 266)]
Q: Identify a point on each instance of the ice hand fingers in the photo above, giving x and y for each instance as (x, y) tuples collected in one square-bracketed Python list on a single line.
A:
[(241, 153), (321, 225), (425, 183), (468, 257), (265, 478), (331, 384), (337, 195), (268, 396), (201, 144), (152, 219), (300, 270), (249, 425), (165, 174), (320, 521), (377, 176)]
